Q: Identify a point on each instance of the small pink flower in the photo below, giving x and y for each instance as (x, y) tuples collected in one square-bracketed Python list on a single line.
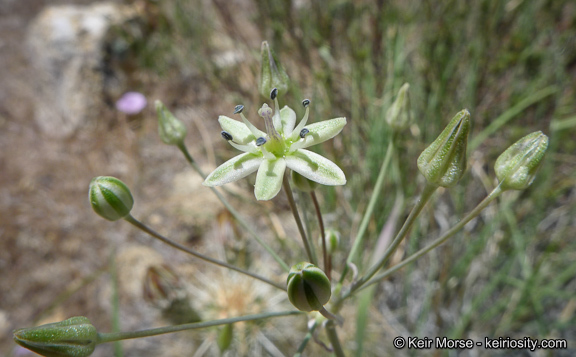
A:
[(131, 103)]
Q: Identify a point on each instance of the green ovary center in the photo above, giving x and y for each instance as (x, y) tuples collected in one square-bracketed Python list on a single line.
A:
[(275, 147)]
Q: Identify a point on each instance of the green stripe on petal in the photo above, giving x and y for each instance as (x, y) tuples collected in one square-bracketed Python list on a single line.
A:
[(316, 168), (238, 130), (269, 179), (234, 169), (320, 132)]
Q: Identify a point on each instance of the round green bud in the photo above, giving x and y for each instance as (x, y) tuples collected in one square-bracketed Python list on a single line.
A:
[(302, 183), (75, 337), (308, 287), (110, 198)]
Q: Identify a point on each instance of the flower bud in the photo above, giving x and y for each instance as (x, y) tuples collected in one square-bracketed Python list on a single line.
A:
[(171, 130), (75, 337), (332, 240), (308, 287), (398, 115), (302, 183), (110, 198), (517, 166), (225, 337), (443, 163), (272, 75)]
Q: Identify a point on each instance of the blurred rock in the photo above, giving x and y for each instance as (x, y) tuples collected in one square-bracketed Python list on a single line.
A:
[(66, 46)]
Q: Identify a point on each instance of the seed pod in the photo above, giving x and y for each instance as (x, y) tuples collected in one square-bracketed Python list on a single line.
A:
[(110, 198), (308, 287), (75, 337), (517, 166), (443, 163), (171, 130), (272, 75)]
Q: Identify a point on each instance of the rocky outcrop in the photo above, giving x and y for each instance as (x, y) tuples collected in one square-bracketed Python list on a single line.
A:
[(66, 47)]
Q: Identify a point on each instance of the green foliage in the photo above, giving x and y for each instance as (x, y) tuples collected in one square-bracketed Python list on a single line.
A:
[(511, 64)]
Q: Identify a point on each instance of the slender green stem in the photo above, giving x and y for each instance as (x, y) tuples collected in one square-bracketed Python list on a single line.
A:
[(334, 340), (185, 249), (233, 211), (429, 189), (358, 242), (288, 190), (111, 337), (306, 339), (493, 195), (330, 316), (118, 351), (325, 257)]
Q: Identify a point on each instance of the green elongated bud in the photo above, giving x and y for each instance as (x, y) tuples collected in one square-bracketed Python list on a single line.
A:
[(302, 183), (225, 337), (308, 287), (75, 337), (171, 130), (398, 115), (332, 240), (110, 198), (443, 163), (517, 166), (272, 75)]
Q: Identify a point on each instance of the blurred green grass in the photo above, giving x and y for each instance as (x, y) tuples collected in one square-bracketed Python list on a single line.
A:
[(512, 272)]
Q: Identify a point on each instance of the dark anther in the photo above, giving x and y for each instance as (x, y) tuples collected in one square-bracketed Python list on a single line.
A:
[(274, 93), (226, 135), (238, 109), (303, 132), (306, 103), (260, 141)]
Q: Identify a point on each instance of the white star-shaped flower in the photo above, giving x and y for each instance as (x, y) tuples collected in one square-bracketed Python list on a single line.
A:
[(282, 145)]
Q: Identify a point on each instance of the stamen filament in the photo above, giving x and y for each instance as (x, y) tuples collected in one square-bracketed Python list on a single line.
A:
[(300, 143), (276, 119), (298, 129), (254, 130), (244, 147)]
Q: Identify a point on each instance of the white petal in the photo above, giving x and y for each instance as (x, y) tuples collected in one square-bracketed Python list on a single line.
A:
[(320, 132), (315, 167), (239, 131), (288, 120), (269, 179), (234, 169)]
